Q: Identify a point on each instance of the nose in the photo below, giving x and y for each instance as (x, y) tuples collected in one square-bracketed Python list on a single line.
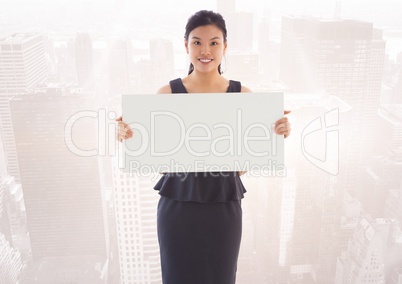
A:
[(205, 49)]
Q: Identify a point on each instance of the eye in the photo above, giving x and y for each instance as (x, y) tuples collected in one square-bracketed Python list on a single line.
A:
[(214, 43), (197, 43)]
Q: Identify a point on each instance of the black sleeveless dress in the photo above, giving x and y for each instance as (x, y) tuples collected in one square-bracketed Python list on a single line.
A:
[(199, 222)]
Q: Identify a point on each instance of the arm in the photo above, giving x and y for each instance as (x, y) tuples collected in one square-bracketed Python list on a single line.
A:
[(165, 90), (244, 89)]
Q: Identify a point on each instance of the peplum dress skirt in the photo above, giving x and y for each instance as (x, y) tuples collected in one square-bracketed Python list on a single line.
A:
[(199, 224)]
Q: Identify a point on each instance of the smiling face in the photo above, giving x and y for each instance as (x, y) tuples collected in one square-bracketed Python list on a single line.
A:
[(206, 47)]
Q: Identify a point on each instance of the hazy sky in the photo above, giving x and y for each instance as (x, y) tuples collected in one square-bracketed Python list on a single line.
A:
[(382, 12), (143, 20)]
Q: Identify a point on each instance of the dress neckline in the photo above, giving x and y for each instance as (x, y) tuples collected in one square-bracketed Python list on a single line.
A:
[(181, 82)]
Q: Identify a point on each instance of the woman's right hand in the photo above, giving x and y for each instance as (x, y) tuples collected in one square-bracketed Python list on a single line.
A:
[(125, 131)]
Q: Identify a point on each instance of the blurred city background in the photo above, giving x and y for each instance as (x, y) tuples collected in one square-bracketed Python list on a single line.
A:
[(335, 217)]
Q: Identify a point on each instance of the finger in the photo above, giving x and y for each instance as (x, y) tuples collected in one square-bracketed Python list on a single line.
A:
[(120, 118), (283, 127), (284, 131), (121, 138), (282, 120), (125, 135), (280, 125), (122, 132), (287, 111), (122, 128), (124, 125), (280, 130), (125, 128)]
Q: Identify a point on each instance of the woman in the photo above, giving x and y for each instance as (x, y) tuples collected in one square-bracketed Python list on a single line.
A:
[(200, 217)]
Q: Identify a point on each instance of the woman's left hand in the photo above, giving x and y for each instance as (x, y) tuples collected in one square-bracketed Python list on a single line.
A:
[(282, 126)]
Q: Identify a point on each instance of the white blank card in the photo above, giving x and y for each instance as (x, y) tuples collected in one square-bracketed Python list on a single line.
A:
[(209, 132)]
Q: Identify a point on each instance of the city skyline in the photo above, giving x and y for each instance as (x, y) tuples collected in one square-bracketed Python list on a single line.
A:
[(66, 217)]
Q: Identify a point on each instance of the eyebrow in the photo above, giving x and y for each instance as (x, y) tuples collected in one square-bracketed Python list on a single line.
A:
[(195, 37)]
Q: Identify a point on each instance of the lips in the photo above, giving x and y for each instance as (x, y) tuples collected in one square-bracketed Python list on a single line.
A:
[(205, 60)]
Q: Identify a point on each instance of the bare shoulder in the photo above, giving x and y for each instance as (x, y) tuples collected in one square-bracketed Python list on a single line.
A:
[(165, 90), (244, 89)]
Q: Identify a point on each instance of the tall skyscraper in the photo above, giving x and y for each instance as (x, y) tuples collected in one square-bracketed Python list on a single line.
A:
[(263, 42), (393, 206), (113, 271), (120, 64), (325, 54), (161, 63), (338, 9), (247, 268), (65, 61), (390, 126), (311, 211), (13, 225), (351, 212), (22, 66), (382, 174), (240, 28), (373, 251), (396, 276), (344, 58), (13, 217), (4, 220), (241, 65), (397, 89), (10, 262), (84, 59), (150, 74), (3, 165), (62, 192), (268, 53), (136, 205)]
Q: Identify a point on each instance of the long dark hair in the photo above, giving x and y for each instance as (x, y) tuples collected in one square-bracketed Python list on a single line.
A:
[(203, 18)]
